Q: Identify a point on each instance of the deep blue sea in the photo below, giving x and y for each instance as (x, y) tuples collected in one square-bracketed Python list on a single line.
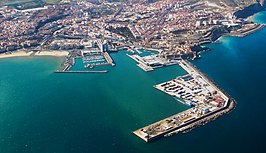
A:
[(46, 112)]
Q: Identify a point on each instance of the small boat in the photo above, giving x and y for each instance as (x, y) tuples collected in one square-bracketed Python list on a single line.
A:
[(199, 56), (89, 66)]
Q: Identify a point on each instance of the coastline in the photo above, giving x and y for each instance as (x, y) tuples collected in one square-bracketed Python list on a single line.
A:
[(32, 54), (51, 53), (213, 134), (249, 31), (145, 132), (15, 54), (258, 17), (242, 32), (239, 34)]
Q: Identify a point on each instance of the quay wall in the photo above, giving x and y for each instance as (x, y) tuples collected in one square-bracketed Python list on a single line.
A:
[(197, 122), (230, 105), (208, 79), (250, 31)]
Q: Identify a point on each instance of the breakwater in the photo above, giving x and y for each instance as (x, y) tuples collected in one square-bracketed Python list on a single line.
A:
[(62, 71), (249, 31), (210, 117), (203, 111)]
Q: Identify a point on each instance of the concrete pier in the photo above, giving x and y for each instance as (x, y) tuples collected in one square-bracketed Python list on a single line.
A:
[(62, 71), (141, 64), (108, 59), (208, 102)]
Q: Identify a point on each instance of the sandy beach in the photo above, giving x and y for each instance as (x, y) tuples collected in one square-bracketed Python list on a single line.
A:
[(31, 53), (51, 53), (15, 54)]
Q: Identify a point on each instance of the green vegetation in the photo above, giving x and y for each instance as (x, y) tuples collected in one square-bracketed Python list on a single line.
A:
[(22, 4), (232, 3), (28, 2), (52, 1), (11, 2), (151, 1)]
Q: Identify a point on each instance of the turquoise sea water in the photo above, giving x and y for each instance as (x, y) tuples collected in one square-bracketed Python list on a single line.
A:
[(260, 17), (45, 112)]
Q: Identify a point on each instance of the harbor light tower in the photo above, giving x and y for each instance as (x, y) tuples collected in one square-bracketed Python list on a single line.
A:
[(104, 46), (103, 43), (262, 3)]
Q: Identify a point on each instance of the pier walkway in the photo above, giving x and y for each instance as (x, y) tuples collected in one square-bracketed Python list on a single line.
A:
[(209, 103), (62, 71), (108, 59)]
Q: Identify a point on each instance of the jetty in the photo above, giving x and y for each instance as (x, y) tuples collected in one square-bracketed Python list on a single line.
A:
[(207, 101), (108, 59), (151, 62), (246, 32), (100, 71)]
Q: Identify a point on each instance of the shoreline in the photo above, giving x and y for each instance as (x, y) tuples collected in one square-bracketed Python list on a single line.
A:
[(240, 33), (33, 54), (143, 132)]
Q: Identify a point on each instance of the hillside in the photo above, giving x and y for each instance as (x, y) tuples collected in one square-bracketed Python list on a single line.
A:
[(234, 3)]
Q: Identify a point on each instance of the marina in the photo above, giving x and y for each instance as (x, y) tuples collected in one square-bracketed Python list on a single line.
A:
[(92, 110), (93, 58), (90, 60), (148, 110)]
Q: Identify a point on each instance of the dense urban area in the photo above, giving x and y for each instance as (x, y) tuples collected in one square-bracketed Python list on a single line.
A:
[(176, 27), (156, 33)]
